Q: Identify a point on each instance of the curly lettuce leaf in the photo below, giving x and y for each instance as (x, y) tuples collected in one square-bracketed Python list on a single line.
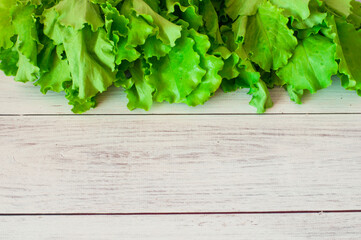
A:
[(118, 28), (9, 59), (239, 71), (235, 8), (239, 28), (250, 78), (229, 70), (316, 17), (57, 72), (139, 26), (167, 31), (26, 43), (91, 61), (261, 98), (148, 29), (90, 55), (348, 41), (211, 80), (355, 16), (210, 18), (296, 8), (79, 105), (341, 7), (140, 94), (311, 66), (269, 42), (114, 3), (189, 12), (176, 75), (153, 47), (6, 27), (77, 13)]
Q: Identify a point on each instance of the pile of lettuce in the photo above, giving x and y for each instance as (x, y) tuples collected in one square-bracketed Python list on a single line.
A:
[(180, 51)]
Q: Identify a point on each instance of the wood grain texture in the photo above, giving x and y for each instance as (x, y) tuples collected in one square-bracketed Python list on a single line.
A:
[(179, 163), (207, 227), (18, 98)]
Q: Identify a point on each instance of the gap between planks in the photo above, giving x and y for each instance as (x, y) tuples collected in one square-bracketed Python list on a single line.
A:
[(181, 213), (175, 114)]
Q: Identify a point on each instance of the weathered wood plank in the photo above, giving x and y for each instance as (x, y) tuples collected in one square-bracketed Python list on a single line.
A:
[(207, 227), (18, 98), (179, 163)]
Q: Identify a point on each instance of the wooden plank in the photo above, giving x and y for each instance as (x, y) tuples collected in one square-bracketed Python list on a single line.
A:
[(207, 227), (18, 98), (179, 163)]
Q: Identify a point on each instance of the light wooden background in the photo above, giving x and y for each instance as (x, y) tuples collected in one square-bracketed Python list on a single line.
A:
[(217, 171)]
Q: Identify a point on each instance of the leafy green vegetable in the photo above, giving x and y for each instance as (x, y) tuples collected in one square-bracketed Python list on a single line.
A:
[(235, 8), (311, 66), (296, 8), (176, 75), (180, 51), (315, 18), (140, 93), (342, 7), (348, 42), (268, 40), (27, 43), (6, 27)]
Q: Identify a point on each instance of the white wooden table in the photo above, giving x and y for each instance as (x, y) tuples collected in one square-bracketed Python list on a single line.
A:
[(217, 171)]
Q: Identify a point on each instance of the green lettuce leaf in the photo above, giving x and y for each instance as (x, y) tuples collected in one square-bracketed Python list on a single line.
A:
[(235, 8), (140, 94), (6, 27), (9, 59), (167, 31), (211, 26), (79, 105), (211, 80), (57, 73), (188, 12), (153, 47), (316, 17), (176, 75), (118, 28), (91, 61), (269, 42), (239, 28), (239, 71), (148, 29), (90, 55), (296, 8), (114, 3), (348, 41), (355, 16), (341, 7), (26, 43), (311, 66), (77, 13), (249, 78)]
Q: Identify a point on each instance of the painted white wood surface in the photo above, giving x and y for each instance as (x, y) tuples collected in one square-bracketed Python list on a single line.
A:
[(179, 163), (200, 227), (190, 163), (19, 98)]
